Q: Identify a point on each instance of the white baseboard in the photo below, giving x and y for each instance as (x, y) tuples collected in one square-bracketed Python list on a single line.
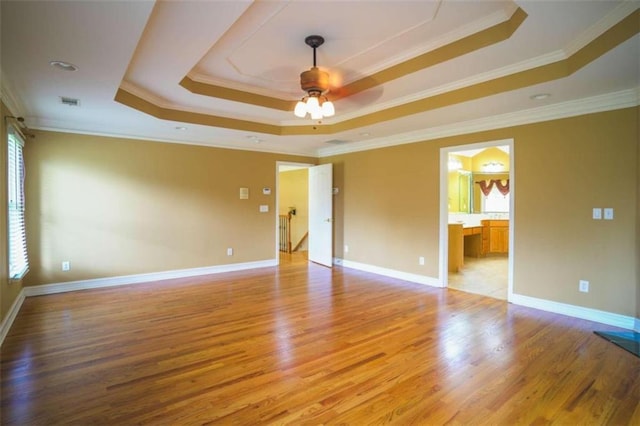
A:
[(143, 278), (11, 315), (590, 314), (406, 276)]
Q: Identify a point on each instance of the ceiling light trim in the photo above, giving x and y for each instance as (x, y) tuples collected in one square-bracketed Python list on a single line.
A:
[(64, 66)]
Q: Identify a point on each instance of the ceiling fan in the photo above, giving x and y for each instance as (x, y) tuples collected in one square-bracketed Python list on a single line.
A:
[(316, 83)]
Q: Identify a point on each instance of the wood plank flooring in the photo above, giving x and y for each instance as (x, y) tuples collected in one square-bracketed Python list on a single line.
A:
[(303, 344)]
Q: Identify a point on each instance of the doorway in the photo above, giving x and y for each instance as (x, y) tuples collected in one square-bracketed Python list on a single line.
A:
[(305, 208), (477, 192), (292, 210)]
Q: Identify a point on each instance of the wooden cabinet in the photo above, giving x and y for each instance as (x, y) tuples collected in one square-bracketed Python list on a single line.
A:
[(495, 236), (456, 248), (472, 241)]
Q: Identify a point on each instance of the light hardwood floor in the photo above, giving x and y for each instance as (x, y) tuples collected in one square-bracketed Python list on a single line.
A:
[(303, 344)]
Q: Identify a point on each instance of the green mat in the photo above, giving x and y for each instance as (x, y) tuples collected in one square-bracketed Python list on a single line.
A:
[(628, 340)]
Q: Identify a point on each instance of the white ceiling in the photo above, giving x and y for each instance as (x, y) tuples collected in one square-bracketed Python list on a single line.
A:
[(147, 48)]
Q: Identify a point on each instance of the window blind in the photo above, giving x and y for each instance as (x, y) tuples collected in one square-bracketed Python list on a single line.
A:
[(18, 260)]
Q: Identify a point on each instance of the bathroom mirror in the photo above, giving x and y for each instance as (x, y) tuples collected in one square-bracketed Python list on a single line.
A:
[(460, 187)]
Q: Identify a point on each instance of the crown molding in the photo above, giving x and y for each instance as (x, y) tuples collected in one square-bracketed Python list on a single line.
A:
[(63, 127), (607, 102), (507, 70), (207, 79), (623, 10), (8, 97), (617, 100), (149, 96), (457, 34), (163, 103)]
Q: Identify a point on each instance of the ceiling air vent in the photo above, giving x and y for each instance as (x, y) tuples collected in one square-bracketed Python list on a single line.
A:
[(336, 142), (69, 101)]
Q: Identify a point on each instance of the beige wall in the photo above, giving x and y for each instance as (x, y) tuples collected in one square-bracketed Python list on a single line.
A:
[(294, 192), (115, 207), (388, 210), (9, 290)]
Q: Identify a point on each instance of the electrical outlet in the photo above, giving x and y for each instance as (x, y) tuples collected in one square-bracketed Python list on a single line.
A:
[(66, 265), (584, 286), (421, 260), (229, 251), (346, 248)]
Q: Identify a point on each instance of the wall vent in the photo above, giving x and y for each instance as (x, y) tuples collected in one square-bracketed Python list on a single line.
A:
[(69, 101)]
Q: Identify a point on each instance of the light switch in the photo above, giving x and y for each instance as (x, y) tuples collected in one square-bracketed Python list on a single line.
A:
[(608, 214), (597, 213), (264, 208), (244, 193)]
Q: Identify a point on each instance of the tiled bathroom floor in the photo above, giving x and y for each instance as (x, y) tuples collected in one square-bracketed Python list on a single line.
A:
[(487, 276)]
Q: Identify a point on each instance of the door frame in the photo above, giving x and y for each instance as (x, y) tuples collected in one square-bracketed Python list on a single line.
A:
[(443, 269), (277, 200)]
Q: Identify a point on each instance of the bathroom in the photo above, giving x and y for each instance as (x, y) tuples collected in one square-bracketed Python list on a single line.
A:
[(478, 216)]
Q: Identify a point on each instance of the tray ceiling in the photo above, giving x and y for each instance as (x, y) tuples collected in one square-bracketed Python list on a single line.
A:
[(226, 73)]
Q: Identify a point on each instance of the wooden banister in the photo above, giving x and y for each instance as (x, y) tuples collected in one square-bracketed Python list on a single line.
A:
[(304, 237)]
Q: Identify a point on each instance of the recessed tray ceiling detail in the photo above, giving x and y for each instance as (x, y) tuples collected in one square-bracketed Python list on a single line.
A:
[(501, 32)]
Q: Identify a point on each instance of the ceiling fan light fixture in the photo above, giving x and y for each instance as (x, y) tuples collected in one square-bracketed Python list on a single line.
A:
[(328, 110), (315, 82), (313, 105), (301, 109)]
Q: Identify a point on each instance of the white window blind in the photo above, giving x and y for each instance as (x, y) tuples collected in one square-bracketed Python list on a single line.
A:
[(18, 261)]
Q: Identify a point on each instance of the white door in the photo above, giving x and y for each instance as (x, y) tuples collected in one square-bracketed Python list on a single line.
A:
[(321, 214)]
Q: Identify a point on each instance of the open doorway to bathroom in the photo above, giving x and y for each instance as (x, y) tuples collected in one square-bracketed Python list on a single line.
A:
[(477, 218)]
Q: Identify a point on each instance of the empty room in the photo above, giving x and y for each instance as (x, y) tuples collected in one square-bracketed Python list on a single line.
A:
[(329, 212)]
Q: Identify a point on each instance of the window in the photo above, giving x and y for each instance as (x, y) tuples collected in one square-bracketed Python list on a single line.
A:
[(495, 202), (18, 262)]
